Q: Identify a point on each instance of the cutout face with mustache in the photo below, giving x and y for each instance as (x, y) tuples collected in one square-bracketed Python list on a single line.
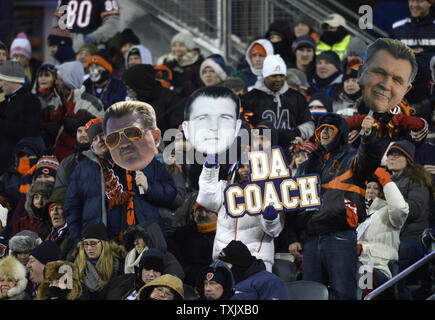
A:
[(385, 81), (133, 155)]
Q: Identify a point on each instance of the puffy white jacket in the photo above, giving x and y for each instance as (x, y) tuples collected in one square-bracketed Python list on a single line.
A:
[(381, 238), (255, 232)]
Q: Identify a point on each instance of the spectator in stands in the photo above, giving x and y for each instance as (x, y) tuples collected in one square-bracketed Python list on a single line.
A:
[(418, 30), (101, 83), (350, 96), (235, 83), (21, 116), (279, 34), (297, 80), (215, 282), (333, 225), (21, 51), (165, 287), (138, 54), (83, 203), (142, 85), (192, 244), (22, 244), (252, 66), (150, 174), (319, 104), (58, 231), (36, 218), (77, 103), (128, 38), (103, 20), (67, 165), (184, 60), (386, 59), (213, 70), (5, 233), (54, 286), (304, 49), (299, 152), (44, 253), (272, 99), (252, 281), (328, 76), (303, 28), (335, 36), (13, 280), (99, 261), (378, 235), (60, 46), (417, 188)]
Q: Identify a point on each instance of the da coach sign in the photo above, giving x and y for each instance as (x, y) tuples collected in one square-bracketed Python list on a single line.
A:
[(270, 183)]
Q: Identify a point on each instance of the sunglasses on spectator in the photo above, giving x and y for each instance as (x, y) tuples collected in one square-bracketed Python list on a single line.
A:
[(131, 133)]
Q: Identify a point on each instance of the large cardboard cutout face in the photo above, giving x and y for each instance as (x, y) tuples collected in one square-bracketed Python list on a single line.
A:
[(212, 125), (134, 152)]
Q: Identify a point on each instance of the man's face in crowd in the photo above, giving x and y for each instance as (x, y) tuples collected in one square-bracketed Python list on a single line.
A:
[(8, 87), (81, 135), (39, 200), (36, 270), (419, 8), (98, 145), (304, 55), (133, 155), (275, 82), (324, 69), (326, 136), (134, 59), (212, 125), (149, 275), (45, 177), (385, 81), (57, 216), (301, 29), (204, 216), (210, 77), (83, 57), (213, 289), (257, 60)]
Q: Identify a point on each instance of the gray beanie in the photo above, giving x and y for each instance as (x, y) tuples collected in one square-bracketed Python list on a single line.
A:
[(12, 71), (184, 38), (356, 46), (72, 74), (24, 242)]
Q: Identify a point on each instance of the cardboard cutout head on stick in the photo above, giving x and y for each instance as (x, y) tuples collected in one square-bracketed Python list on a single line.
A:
[(211, 119), (131, 134)]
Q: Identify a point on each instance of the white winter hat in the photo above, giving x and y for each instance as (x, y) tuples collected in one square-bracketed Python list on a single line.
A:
[(21, 45), (185, 38), (273, 65)]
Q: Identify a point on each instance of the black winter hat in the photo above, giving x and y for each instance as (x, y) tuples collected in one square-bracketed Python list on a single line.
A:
[(331, 57), (404, 148), (140, 77), (237, 253), (128, 36), (96, 231), (152, 259), (46, 252)]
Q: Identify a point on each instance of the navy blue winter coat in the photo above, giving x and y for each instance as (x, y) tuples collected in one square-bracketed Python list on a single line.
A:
[(86, 202), (260, 284)]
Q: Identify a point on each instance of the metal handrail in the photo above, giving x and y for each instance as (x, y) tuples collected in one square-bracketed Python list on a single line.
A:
[(400, 276)]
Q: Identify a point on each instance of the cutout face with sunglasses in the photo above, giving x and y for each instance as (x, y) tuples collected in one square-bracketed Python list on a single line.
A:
[(131, 145)]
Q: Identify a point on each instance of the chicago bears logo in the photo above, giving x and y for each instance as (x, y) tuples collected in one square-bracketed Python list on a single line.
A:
[(209, 276), (277, 68)]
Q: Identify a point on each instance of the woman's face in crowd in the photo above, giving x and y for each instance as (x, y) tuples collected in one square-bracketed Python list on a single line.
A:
[(45, 80), (162, 293), (373, 190), (396, 162), (93, 248), (351, 86), (178, 50), (6, 284)]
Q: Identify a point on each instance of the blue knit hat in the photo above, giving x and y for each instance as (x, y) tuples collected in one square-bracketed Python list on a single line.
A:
[(217, 63)]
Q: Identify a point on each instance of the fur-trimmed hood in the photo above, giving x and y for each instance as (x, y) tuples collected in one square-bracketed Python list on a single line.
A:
[(166, 280), (10, 267), (55, 270), (38, 187)]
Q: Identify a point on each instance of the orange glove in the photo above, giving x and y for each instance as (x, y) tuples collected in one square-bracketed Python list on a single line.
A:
[(383, 176)]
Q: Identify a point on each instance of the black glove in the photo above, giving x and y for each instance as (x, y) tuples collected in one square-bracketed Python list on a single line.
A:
[(70, 124)]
